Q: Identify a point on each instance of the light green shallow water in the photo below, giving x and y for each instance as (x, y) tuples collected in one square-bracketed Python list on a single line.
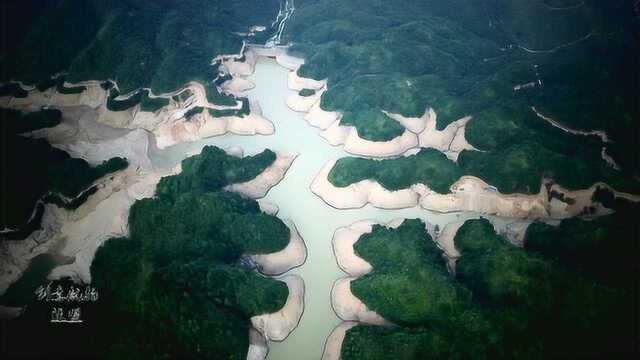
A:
[(315, 220)]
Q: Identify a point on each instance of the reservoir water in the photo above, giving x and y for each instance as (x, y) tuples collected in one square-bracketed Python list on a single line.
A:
[(315, 220)]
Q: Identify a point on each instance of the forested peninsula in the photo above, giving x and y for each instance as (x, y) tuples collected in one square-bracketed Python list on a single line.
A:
[(502, 301), (181, 282)]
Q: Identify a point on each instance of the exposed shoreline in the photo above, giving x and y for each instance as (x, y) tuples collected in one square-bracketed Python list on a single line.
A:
[(168, 124), (278, 325), (259, 186), (349, 307), (292, 256), (469, 193), (419, 132), (85, 229), (333, 344)]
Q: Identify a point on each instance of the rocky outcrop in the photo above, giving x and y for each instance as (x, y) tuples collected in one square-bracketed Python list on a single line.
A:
[(346, 305)]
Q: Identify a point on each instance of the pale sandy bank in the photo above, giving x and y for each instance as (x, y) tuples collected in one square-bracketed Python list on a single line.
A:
[(445, 241), (279, 53), (175, 129), (79, 233), (298, 83), (103, 217), (469, 193), (168, 124), (259, 186), (277, 326), (333, 345), (348, 136), (344, 239), (258, 346), (361, 193), (349, 308), (268, 207), (237, 86), (420, 132), (292, 256)]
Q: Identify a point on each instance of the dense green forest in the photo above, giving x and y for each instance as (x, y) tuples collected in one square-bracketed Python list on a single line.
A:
[(33, 170), (159, 44), (429, 167), (434, 169), (177, 283), (465, 57), (503, 301)]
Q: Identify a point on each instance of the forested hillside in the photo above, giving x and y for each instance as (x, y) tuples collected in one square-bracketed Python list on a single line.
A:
[(178, 283), (503, 302), (493, 60), (158, 44)]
